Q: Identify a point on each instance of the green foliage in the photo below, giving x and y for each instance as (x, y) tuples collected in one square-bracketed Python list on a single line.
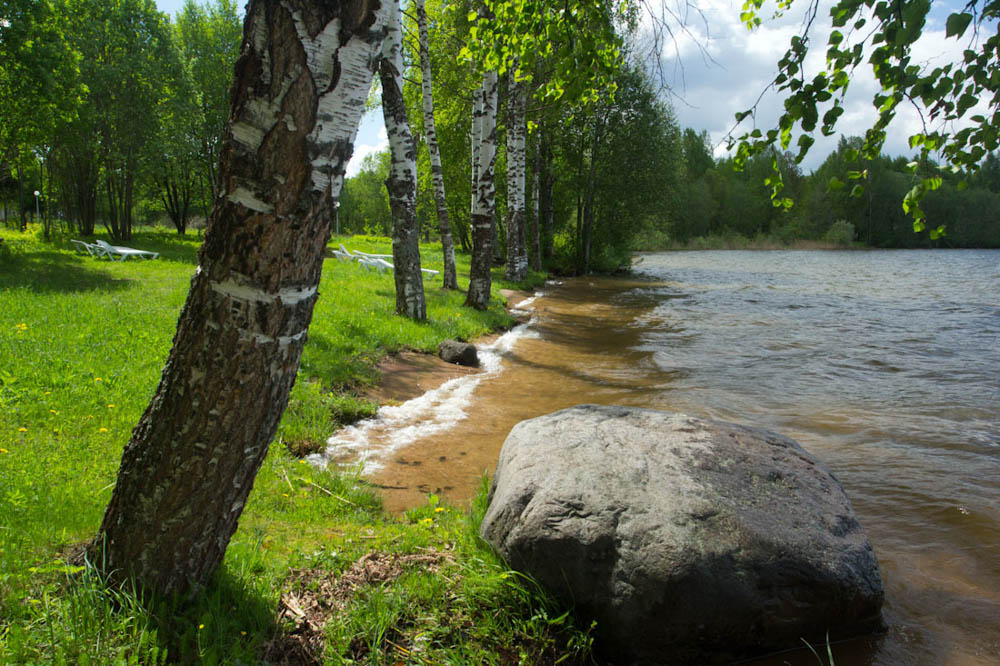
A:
[(882, 35), (840, 232), (81, 346)]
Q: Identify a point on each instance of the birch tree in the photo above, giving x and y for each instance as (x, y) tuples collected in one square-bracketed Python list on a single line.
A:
[(299, 92), (450, 279), (517, 257), (402, 181), (484, 141)]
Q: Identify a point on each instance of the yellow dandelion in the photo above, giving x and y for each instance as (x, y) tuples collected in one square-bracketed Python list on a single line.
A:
[(111, 406), (97, 379), (52, 411), (200, 627), (48, 392), (3, 450), (427, 522), (22, 430), (439, 509), (243, 633), (284, 494), (102, 430)]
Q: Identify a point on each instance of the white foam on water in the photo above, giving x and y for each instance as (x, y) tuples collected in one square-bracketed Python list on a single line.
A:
[(393, 427)]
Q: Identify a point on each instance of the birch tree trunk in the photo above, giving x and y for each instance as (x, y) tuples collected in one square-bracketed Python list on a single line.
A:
[(450, 279), (402, 180), (484, 195), (536, 237), (517, 257), (298, 95)]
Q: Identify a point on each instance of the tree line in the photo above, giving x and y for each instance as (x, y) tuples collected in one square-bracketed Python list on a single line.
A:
[(112, 112)]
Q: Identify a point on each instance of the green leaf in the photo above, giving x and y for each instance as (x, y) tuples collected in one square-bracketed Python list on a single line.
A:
[(835, 184), (956, 24)]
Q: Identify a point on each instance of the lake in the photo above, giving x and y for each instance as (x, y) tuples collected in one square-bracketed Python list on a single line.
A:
[(884, 364)]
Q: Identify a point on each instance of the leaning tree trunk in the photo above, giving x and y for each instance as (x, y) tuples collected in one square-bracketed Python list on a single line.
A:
[(484, 195), (437, 173), (298, 95), (517, 257), (402, 180)]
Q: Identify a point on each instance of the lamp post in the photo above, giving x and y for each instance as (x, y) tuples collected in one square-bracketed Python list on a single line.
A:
[(37, 213)]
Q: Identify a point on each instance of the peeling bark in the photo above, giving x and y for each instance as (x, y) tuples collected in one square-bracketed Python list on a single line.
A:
[(517, 257), (297, 98), (449, 275), (402, 180), (484, 194)]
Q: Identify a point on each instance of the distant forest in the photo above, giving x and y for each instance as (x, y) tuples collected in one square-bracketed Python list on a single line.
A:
[(682, 197)]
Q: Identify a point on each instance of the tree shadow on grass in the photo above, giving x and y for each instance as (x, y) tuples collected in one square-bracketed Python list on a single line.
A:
[(182, 249), (225, 620), (52, 271)]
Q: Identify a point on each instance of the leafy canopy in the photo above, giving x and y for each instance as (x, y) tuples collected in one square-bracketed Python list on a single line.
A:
[(959, 102)]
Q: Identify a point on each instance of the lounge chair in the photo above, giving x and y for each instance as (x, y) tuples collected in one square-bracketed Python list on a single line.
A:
[(119, 253), (92, 249)]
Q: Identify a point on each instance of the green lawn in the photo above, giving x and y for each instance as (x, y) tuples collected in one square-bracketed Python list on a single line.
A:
[(82, 343)]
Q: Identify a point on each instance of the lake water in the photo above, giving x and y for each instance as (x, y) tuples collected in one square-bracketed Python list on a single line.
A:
[(886, 365)]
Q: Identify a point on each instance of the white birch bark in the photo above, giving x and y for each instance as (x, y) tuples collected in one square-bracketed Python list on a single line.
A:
[(402, 181), (450, 279), (517, 258), (484, 197), (297, 99)]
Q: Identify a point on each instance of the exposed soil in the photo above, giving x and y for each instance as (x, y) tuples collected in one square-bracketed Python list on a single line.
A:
[(408, 374)]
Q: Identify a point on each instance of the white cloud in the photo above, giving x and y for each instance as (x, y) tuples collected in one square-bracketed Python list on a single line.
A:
[(711, 93)]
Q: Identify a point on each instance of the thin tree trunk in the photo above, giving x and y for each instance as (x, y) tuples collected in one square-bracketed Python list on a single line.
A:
[(536, 239), (402, 181), (588, 207), (449, 276), (517, 258), (484, 196), (298, 95), (547, 201)]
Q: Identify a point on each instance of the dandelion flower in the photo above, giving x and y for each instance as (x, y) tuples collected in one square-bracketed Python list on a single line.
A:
[(111, 406), (284, 494), (97, 379), (52, 411), (427, 522), (3, 450), (22, 430), (439, 509), (200, 627), (102, 430)]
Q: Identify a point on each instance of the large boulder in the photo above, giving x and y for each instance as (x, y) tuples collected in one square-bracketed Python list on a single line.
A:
[(688, 541), (462, 353)]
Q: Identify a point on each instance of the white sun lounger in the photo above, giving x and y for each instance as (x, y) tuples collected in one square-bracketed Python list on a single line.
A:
[(376, 261), (93, 249), (119, 253)]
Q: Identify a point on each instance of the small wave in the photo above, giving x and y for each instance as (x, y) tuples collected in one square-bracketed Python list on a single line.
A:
[(370, 441)]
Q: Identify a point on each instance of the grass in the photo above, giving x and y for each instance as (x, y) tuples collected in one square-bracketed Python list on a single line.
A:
[(82, 343)]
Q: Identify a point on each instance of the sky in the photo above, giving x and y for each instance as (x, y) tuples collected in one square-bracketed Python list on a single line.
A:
[(717, 68)]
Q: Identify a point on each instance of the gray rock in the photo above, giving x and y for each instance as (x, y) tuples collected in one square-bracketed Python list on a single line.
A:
[(688, 541), (462, 353)]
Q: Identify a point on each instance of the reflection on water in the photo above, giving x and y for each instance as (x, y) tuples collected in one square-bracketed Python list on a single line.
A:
[(884, 364)]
